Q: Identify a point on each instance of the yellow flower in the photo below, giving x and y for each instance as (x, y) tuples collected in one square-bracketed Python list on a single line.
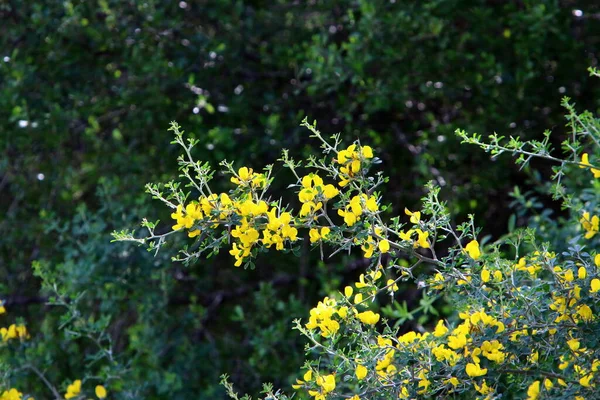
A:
[(484, 388), (361, 372), (453, 381), (458, 341), (597, 260), (594, 285), (326, 382), (392, 286), (573, 344), (585, 312), (498, 276), (474, 370), (384, 246), (2, 309), (12, 394), (440, 329), (100, 392), (581, 273), (348, 291), (367, 152), (533, 391), (585, 381), (73, 389), (358, 298), (308, 375), (371, 204), (569, 276), (314, 235), (330, 191), (361, 282), (548, 384), (472, 249), (585, 160), (368, 317), (534, 357), (307, 378), (591, 225), (422, 239), (485, 275), (415, 217)]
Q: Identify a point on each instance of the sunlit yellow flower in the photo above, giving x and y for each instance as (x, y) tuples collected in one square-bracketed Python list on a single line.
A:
[(361, 372), (368, 317), (472, 249), (533, 391), (474, 370)]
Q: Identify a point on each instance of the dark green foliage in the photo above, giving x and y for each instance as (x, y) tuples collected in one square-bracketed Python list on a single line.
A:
[(87, 90)]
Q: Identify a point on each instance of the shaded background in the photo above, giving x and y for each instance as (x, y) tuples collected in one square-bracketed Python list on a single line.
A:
[(87, 92)]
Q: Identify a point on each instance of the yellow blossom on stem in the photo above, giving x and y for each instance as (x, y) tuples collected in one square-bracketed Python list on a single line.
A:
[(384, 246), (391, 285), (100, 392), (422, 239), (472, 249), (595, 285), (348, 291), (73, 389), (361, 372), (533, 391), (368, 317), (475, 370), (415, 217), (440, 329), (485, 275)]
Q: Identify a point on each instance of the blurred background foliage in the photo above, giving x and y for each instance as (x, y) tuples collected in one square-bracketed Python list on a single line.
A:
[(88, 89)]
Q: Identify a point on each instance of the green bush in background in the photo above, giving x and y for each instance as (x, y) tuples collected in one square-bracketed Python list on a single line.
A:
[(88, 90)]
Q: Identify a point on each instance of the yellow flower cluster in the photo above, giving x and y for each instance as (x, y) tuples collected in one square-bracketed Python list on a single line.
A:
[(74, 390), (322, 317), (350, 160), (314, 193), (14, 332), (248, 214), (324, 384), (250, 221), (246, 177), (369, 245), (246, 233), (356, 207), (193, 212), (278, 229), (421, 240), (316, 235), (12, 394), (449, 347)]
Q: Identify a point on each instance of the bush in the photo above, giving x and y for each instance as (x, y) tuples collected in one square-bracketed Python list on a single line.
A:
[(91, 86)]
